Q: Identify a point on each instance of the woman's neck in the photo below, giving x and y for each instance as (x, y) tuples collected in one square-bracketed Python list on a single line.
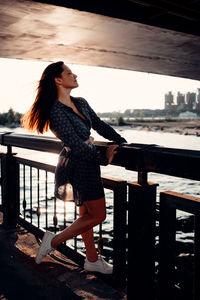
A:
[(64, 96)]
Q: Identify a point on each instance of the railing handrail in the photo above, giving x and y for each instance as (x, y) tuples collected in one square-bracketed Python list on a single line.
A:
[(136, 157)]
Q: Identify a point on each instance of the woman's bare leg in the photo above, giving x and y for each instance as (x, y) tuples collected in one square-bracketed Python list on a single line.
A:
[(88, 239), (96, 213)]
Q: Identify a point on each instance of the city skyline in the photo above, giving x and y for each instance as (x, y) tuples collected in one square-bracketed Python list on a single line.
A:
[(105, 89), (184, 102)]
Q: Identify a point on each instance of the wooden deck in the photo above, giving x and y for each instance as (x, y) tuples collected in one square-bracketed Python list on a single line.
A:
[(22, 278)]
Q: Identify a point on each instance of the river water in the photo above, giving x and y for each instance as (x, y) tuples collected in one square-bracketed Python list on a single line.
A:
[(171, 140)]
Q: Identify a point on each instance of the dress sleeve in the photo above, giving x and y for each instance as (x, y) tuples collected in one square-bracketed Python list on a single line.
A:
[(63, 130), (103, 128)]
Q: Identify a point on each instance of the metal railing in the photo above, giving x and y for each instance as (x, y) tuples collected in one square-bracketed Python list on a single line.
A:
[(37, 210), (169, 203), (141, 227)]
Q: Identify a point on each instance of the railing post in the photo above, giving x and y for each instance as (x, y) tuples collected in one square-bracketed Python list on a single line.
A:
[(197, 257), (167, 237), (120, 229), (141, 238), (10, 189)]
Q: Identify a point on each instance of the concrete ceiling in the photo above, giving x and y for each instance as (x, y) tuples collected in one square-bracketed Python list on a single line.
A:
[(101, 36)]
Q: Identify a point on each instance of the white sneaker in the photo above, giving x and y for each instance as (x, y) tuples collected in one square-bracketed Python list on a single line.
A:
[(45, 246), (98, 266)]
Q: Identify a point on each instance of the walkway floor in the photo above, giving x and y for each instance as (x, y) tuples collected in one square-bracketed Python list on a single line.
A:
[(22, 278)]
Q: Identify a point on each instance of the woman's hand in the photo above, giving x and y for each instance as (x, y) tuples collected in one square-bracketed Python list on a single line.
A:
[(110, 152)]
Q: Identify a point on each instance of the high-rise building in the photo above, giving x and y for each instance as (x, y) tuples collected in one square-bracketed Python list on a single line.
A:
[(198, 101), (180, 99), (198, 95), (191, 101), (169, 100)]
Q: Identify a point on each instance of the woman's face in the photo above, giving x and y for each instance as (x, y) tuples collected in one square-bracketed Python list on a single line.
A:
[(68, 79)]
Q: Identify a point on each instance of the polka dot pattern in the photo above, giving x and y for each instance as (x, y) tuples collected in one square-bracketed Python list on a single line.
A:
[(79, 163)]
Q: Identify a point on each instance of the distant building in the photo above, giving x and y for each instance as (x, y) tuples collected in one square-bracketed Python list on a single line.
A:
[(173, 107), (169, 100), (191, 101), (180, 99), (187, 115), (198, 96), (198, 101)]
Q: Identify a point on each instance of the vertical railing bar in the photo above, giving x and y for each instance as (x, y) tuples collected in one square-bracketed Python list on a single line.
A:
[(196, 295), (24, 192), (142, 178), (46, 199), (119, 226), (55, 216), (75, 216), (1, 178), (100, 230), (64, 216), (38, 196), (141, 230), (20, 186), (100, 240), (10, 190), (31, 195), (167, 238)]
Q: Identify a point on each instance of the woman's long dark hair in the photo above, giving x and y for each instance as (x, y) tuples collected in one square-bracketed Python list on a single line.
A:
[(37, 117)]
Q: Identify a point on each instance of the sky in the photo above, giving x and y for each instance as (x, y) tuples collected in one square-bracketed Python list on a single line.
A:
[(105, 89)]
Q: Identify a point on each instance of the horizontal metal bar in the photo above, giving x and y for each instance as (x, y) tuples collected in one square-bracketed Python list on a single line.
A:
[(40, 143), (135, 157), (2, 135), (168, 161), (36, 164), (112, 183), (180, 201), (109, 182)]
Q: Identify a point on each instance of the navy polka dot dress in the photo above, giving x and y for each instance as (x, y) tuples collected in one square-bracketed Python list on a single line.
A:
[(79, 163)]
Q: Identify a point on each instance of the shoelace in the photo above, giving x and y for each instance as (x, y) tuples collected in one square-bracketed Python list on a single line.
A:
[(102, 261)]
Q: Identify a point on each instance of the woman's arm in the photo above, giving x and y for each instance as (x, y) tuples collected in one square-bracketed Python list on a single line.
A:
[(63, 130), (103, 128)]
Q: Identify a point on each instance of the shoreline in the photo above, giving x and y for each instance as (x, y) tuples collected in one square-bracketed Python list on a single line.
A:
[(183, 127)]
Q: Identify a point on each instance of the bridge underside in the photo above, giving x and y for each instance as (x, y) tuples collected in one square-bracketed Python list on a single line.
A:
[(137, 36)]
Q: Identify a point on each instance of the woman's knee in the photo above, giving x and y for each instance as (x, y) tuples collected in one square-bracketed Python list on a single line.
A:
[(97, 219), (101, 217), (97, 210)]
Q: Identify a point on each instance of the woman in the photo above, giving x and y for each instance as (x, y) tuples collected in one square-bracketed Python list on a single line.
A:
[(71, 119)]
